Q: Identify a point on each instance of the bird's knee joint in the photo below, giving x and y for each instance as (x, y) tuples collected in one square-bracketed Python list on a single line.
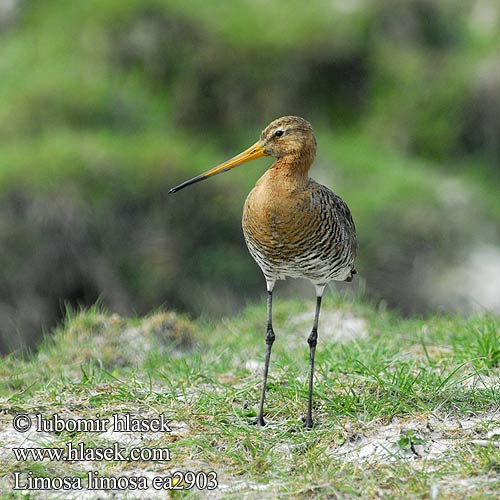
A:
[(313, 338), (270, 336)]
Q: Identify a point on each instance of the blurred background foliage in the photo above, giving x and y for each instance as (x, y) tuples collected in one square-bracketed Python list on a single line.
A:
[(106, 104)]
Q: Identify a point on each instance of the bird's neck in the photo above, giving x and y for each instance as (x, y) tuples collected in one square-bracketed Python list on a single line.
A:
[(292, 170)]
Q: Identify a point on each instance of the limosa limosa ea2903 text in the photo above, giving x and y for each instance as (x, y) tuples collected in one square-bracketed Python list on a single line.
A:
[(292, 225)]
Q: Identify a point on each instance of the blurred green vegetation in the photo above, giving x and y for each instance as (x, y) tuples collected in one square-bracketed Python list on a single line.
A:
[(107, 104)]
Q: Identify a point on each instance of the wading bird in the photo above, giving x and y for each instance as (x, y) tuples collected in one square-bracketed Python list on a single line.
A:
[(292, 225)]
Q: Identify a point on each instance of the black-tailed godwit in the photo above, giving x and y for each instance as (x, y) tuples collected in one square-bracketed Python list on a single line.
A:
[(292, 225)]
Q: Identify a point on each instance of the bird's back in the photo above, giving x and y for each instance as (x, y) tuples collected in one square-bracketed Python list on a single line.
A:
[(301, 231)]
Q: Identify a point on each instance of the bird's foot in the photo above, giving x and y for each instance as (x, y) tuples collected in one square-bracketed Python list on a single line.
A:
[(299, 428), (308, 423), (258, 421)]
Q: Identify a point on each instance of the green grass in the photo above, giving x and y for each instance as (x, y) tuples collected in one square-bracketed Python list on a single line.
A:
[(410, 384)]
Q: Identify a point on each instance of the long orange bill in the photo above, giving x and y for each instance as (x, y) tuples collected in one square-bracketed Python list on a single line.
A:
[(252, 153)]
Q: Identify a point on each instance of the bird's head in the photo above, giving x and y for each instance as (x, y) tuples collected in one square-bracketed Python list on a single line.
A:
[(289, 136)]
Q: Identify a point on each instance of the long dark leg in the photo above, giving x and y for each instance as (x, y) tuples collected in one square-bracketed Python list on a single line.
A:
[(269, 342), (312, 341)]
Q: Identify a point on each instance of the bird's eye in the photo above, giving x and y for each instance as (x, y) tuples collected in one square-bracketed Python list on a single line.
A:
[(279, 133)]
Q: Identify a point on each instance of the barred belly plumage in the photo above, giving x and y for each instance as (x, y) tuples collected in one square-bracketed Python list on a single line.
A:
[(313, 239)]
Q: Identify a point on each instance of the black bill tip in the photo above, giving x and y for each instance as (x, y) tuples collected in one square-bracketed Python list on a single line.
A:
[(184, 184)]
